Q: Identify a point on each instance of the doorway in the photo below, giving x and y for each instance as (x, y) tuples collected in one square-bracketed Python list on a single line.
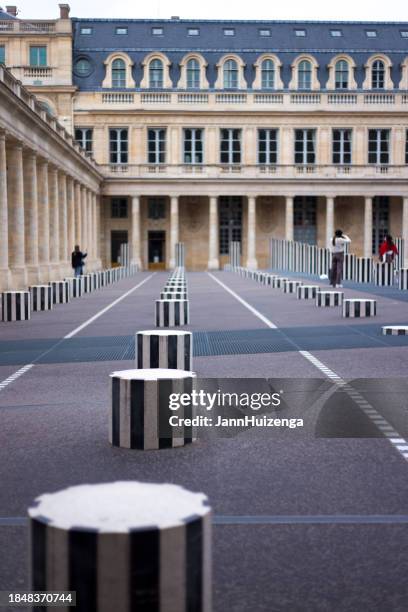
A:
[(157, 250), (381, 221), (304, 219), (118, 237)]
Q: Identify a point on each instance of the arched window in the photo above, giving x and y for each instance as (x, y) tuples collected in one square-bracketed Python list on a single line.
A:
[(342, 75), (230, 74), (305, 75), (118, 73), (156, 73), (268, 74), (378, 75), (193, 74)]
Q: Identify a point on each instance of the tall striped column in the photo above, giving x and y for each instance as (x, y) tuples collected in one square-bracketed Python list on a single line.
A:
[(384, 274), (403, 279), (164, 349), (41, 297), (16, 306)]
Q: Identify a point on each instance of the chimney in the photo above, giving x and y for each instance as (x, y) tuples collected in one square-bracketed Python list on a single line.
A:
[(64, 11), (12, 10), (175, 18)]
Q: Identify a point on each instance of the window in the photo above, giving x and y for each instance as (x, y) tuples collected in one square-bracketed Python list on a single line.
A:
[(157, 31), (305, 75), (156, 145), (118, 145), (83, 67), (121, 31), (378, 75), (193, 146), (305, 146), (83, 136), (404, 33), (229, 32), (371, 33), (2, 54), (341, 75), (156, 208), (193, 74), (86, 31), (342, 146), (230, 74), (230, 151), (193, 32), (119, 208), (378, 146), (336, 33), (264, 32), (118, 73), (268, 74), (38, 56), (230, 222), (267, 146), (300, 33), (156, 73), (305, 219)]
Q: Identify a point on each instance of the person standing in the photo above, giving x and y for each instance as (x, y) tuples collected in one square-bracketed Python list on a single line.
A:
[(78, 260), (338, 247), (388, 250)]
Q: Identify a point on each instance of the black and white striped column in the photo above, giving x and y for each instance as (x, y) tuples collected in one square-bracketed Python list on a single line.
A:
[(395, 330), (164, 349), (140, 409), (16, 306), (363, 269), (280, 282), (290, 286), (172, 295), (329, 298), (403, 279), (349, 267), (358, 308), (123, 547), (384, 274), (41, 297), (172, 313), (307, 292), (87, 283), (60, 292), (76, 286)]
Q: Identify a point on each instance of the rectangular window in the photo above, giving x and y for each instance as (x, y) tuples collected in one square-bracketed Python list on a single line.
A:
[(157, 31), (193, 32), (38, 56), (300, 33), (121, 31), (305, 146), (230, 222), (86, 31), (119, 208), (230, 149), (156, 138), (379, 146), (156, 208), (264, 32), (193, 146), (342, 146), (118, 145), (371, 33), (83, 136), (229, 32), (336, 33), (267, 146), (404, 33), (2, 54)]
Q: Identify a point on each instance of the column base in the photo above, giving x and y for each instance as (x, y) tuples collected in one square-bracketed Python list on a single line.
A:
[(252, 264), (44, 273), (5, 279), (213, 264), (54, 271), (18, 278), (33, 275)]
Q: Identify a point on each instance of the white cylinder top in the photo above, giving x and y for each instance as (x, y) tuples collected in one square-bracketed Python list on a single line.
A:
[(154, 332), (152, 374), (172, 300), (359, 300), (118, 507)]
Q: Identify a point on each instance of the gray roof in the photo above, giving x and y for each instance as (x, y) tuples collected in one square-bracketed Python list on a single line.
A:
[(4, 15), (247, 42)]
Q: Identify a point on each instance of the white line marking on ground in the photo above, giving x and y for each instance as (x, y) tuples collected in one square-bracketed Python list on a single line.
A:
[(16, 375), (375, 417)]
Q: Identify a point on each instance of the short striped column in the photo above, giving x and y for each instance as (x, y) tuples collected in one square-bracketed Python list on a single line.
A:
[(173, 295), (349, 266), (280, 282), (363, 269), (291, 286), (41, 297), (384, 274), (16, 306), (395, 330), (307, 292), (76, 285), (329, 298), (123, 546), (87, 283), (164, 349), (140, 416), (108, 276), (403, 279), (359, 308), (95, 280), (60, 292), (172, 313)]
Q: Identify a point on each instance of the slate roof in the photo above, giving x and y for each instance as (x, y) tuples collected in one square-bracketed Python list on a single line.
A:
[(4, 15), (247, 42)]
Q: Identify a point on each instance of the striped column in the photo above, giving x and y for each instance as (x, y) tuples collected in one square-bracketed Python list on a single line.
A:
[(213, 262), (175, 295), (329, 298), (363, 269), (349, 267), (384, 274), (140, 416), (120, 550), (291, 286), (172, 313), (76, 285), (87, 281), (307, 292), (162, 349), (41, 297), (403, 279), (251, 234), (280, 282), (60, 292), (16, 306), (359, 308), (395, 330)]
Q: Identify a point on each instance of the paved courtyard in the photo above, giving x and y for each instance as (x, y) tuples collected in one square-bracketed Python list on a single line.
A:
[(301, 522)]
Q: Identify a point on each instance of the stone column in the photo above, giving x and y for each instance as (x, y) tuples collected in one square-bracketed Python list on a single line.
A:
[(135, 240), (174, 229), (70, 214), (251, 237), (4, 241), (43, 222), (98, 229), (213, 261), (289, 217), (404, 232), (63, 224), (78, 223), (329, 220), (31, 216), (16, 221), (84, 221), (368, 227), (91, 256), (54, 232)]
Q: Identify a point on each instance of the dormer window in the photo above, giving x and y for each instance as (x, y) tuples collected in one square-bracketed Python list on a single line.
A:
[(230, 74), (300, 33), (121, 31), (156, 74), (157, 31), (378, 75), (118, 73), (193, 32), (305, 75), (371, 33), (229, 32), (264, 32), (336, 33), (86, 31)]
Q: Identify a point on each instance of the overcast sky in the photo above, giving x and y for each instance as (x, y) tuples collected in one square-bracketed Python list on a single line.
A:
[(391, 10)]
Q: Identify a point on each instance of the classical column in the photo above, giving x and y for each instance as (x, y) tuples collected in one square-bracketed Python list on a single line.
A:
[(63, 224), (404, 232), (251, 237), (213, 262), (16, 221), (329, 220), (135, 240), (91, 255), (98, 229), (54, 232), (4, 241), (43, 222), (31, 216), (70, 214), (289, 217), (368, 227), (174, 229), (84, 220), (78, 217)]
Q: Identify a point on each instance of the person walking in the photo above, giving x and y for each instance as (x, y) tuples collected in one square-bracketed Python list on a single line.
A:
[(338, 247), (388, 250), (78, 260)]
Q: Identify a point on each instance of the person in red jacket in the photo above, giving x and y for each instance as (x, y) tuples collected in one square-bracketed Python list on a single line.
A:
[(388, 250)]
